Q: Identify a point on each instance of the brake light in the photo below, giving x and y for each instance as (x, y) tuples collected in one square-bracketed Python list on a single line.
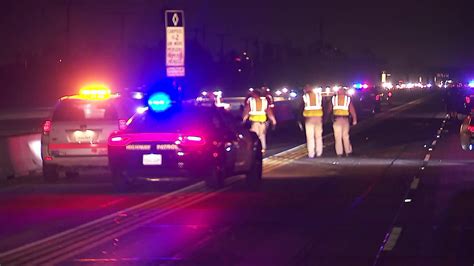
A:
[(194, 138), (389, 94), (470, 128), (47, 127), (468, 99), (122, 123), (191, 140), (118, 140), (377, 97)]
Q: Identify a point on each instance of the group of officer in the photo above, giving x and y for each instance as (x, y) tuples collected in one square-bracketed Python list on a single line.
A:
[(258, 109)]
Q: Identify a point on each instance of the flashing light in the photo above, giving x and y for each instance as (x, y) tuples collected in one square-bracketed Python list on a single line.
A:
[(284, 90), (293, 94), (141, 109), (429, 85), (204, 93), (159, 102), (470, 128), (470, 147), (218, 93), (351, 92), (357, 85), (471, 84), (336, 88), (365, 86), (318, 89), (47, 127), (193, 138), (410, 85), (278, 92), (95, 92), (137, 95), (251, 89)]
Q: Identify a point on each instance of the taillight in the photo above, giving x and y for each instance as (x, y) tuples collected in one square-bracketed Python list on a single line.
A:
[(377, 97), (191, 140), (116, 140), (468, 99), (47, 127), (389, 94), (122, 123), (470, 128)]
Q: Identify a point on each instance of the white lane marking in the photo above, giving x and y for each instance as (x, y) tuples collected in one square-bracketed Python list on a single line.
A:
[(111, 216), (427, 157), (392, 239), (414, 184), (433, 143)]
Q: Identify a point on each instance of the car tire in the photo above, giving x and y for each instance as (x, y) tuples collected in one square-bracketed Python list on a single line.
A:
[(50, 173), (120, 181), (255, 173), (215, 179)]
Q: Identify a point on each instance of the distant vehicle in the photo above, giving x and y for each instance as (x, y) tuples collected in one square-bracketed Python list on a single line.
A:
[(368, 99), (467, 133), (75, 135), (183, 140)]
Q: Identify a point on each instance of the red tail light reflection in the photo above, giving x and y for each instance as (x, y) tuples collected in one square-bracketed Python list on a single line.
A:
[(47, 127)]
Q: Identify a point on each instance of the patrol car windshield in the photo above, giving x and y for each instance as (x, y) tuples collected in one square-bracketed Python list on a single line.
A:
[(175, 120), (77, 110)]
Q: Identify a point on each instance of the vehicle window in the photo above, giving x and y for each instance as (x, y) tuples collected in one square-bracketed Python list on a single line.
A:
[(175, 120), (83, 110)]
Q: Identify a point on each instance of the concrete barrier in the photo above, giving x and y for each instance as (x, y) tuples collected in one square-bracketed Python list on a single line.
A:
[(20, 155)]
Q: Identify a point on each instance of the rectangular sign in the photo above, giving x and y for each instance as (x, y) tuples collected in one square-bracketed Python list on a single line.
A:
[(175, 43)]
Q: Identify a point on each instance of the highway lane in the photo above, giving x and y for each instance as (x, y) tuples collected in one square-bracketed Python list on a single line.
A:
[(310, 212), (75, 207)]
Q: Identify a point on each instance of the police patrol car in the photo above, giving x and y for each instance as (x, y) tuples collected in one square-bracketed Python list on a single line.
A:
[(75, 135), (188, 139)]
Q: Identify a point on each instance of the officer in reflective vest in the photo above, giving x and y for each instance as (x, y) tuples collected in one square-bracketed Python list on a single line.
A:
[(342, 108), (313, 116), (257, 110)]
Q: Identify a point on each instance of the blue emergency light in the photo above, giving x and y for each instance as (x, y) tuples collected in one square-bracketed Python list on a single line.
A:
[(471, 84), (159, 102)]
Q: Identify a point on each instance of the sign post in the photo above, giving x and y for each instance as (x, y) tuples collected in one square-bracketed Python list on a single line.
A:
[(175, 46)]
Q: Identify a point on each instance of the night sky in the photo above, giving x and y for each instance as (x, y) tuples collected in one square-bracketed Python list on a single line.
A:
[(426, 33)]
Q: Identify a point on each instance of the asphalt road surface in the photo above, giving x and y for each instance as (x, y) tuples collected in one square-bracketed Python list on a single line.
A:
[(404, 198)]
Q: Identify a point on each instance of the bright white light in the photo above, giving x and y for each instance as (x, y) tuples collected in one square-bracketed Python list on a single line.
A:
[(365, 86), (410, 85), (387, 85), (293, 94), (351, 92), (429, 85), (35, 148), (218, 93), (407, 200), (318, 89), (470, 147), (336, 88), (471, 84), (284, 90), (204, 93), (137, 95), (278, 92), (141, 109)]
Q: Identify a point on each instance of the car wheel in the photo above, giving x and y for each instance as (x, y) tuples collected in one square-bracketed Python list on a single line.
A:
[(50, 173), (215, 179), (120, 181), (254, 175)]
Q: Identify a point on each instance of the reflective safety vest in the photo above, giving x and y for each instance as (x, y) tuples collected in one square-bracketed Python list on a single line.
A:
[(312, 104), (340, 109), (258, 109)]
